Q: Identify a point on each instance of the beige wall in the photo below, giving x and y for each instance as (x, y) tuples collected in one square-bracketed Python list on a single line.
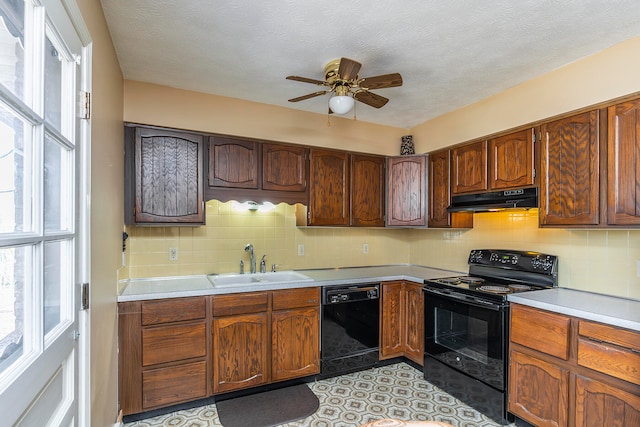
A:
[(164, 106), (607, 75), (106, 214)]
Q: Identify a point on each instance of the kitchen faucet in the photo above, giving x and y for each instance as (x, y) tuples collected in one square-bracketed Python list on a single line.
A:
[(252, 266)]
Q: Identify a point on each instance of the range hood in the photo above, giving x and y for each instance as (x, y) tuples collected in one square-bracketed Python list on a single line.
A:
[(523, 198)]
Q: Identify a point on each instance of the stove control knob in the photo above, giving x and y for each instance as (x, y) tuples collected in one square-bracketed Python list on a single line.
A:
[(514, 259)]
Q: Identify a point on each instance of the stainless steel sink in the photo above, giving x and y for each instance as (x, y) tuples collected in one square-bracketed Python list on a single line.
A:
[(278, 277)]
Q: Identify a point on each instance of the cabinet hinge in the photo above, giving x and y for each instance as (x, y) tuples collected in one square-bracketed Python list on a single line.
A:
[(533, 173), (85, 296), (84, 105)]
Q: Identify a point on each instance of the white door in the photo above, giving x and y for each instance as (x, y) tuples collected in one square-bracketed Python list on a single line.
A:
[(42, 246)]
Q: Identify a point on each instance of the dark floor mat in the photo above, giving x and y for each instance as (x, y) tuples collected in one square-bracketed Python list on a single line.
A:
[(269, 408)]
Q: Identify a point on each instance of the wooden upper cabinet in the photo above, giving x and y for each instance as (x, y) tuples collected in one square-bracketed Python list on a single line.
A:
[(163, 175), (329, 187), (569, 171), (367, 190), (624, 163), (233, 163), (469, 168), (284, 167), (439, 189), (407, 191), (511, 160)]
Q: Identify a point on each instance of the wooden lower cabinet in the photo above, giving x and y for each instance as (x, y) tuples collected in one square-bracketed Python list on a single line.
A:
[(597, 384), (598, 404), (295, 335), (239, 351), (538, 390), (177, 350), (264, 337), (402, 321), (162, 353)]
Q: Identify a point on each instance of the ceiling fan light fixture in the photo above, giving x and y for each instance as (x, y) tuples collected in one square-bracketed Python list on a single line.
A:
[(341, 104)]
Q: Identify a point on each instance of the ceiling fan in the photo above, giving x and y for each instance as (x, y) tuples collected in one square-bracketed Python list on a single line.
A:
[(341, 78)]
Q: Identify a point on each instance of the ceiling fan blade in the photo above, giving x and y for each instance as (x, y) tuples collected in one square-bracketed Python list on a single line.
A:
[(307, 80), (381, 82), (348, 69), (307, 96), (371, 99)]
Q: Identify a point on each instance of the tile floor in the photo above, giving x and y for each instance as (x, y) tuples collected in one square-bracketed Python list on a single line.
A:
[(394, 391)]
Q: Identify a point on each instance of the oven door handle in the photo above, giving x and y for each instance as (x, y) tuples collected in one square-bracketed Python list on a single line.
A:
[(476, 302)]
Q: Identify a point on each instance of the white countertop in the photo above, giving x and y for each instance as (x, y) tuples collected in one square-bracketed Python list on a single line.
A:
[(616, 311), (185, 286)]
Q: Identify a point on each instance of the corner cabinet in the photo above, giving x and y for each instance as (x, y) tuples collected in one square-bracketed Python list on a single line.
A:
[(163, 177), (402, 321), (567, 371), (440, 194), (407, 191)]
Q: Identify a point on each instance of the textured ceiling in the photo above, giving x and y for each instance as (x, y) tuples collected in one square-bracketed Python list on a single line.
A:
[(450, 53)]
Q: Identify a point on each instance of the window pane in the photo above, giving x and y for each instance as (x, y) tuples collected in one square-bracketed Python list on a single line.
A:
[(52, 85), (15, 173), (15, 265), (57, 187), (57, 283), (12, 46)]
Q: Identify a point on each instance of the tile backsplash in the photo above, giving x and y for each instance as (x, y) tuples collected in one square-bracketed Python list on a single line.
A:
[(594, 260)]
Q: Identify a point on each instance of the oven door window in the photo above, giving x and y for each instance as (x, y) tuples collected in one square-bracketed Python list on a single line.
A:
[(469, 338)]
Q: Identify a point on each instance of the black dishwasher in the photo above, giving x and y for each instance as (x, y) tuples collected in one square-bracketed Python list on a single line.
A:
[(350, 328)]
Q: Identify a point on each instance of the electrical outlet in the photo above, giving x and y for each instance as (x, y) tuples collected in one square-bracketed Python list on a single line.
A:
[(300, 250), (365, 248), (638, 267), (173, 254)]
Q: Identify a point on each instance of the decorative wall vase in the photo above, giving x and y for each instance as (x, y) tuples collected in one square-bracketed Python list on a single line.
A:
[(407, 146)]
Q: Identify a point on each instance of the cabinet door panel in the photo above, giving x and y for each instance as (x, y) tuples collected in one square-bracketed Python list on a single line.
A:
[(284, 167), (511, 160), (239, 352), (624, 164), (329, 188), (233, 163), (169, 343), (168, 177), (469, 168), (391, 319), (295, 343), (569, 181), (367, 190), (600, 405), (439, 189), (414, 303), (538, 391), (407, 191), (174, 384)]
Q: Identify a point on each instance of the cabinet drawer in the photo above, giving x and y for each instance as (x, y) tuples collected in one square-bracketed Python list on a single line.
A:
[(173, 342), (294, 298), (174, 384), (250, 302), (173, 310), (540, 330), (611, 360)]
